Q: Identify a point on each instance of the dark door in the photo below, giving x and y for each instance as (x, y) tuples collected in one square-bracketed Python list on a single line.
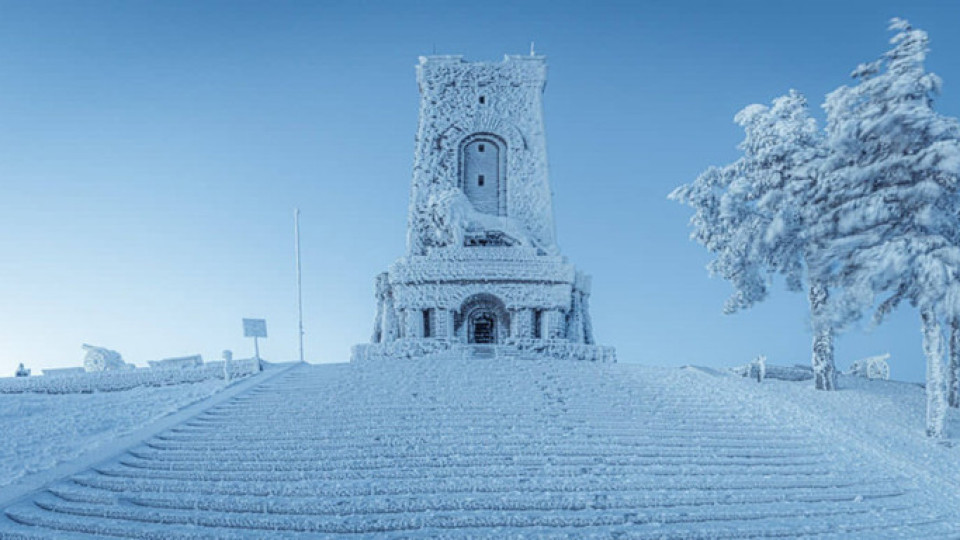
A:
[(484, 329)]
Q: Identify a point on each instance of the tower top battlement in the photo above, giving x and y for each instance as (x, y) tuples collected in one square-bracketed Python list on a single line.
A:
[(530, 59), (514, 68)]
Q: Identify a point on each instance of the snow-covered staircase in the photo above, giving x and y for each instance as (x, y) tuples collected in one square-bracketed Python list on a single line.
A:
[(473, 446)]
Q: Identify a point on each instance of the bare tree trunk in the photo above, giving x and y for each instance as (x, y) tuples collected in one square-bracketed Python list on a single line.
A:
[(824, 372), (953, 374), (936, 374)]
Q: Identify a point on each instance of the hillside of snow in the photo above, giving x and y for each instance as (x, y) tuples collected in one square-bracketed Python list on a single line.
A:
[(40, 431), (508, 448)]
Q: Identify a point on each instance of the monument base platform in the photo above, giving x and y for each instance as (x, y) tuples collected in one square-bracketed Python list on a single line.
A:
[(417, 348)]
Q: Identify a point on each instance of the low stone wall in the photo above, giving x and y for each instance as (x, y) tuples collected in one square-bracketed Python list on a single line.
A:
[(566, 350), (783, 373), (183, 362), (399, 349), (113, 381)]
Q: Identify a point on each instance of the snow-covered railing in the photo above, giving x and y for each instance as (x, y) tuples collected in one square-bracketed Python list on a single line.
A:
[(112, 381)]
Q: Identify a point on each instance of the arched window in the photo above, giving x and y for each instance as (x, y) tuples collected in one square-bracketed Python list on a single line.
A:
[(481, 173)]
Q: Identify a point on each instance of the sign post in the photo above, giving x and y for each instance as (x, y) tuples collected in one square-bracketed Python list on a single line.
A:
[(255, 328)]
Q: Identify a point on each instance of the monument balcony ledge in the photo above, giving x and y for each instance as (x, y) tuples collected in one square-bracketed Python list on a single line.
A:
[(486, 253), (410, 272)]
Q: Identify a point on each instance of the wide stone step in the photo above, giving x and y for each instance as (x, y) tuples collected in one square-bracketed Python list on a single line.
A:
[(491, 412), (689, 502), (507, 445), (803, 517), (468, 440), (310, 487), (637, 473), (328, 434), (420, 451), (428, 461), (879, 528)]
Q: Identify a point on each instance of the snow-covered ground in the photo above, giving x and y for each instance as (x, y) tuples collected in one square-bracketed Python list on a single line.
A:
[(501, 448), (883, 421), (40, 431)]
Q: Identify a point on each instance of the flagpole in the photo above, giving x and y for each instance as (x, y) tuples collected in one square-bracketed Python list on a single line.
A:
[(296, 232)]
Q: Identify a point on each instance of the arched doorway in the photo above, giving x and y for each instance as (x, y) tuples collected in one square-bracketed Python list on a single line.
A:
[(484, 320)]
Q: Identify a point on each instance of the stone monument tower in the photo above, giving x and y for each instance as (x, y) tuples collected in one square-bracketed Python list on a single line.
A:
[(482, 269)]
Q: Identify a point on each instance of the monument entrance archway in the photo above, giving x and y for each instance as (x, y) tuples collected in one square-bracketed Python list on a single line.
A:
[(486, 320)]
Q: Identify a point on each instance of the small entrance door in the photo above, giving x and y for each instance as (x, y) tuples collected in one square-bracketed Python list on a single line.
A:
[(483, 319), (484, 329)]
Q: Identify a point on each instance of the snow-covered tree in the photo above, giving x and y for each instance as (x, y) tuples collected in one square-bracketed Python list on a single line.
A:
[(752, 213), (953, 365), (887, 224), (953, 370)]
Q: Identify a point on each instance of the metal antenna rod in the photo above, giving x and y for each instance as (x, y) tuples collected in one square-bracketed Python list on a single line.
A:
[(296, 232)]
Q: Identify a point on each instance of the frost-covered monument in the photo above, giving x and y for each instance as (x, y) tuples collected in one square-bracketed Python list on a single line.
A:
[(483, 271)]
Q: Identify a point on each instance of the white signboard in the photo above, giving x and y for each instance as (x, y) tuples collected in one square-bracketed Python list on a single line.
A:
[(255, 328)]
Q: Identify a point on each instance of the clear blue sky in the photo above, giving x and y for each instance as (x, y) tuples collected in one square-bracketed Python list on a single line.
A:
[(151, 155)]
